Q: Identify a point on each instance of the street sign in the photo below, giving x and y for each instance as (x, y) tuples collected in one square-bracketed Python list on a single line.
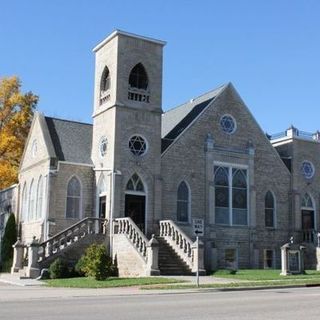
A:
[(198, 227)]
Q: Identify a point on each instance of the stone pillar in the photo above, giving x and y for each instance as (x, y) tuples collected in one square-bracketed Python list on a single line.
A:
[(284, 260), (18, 252), (33, 270), (198, 257), (318, 258), (152, 256)]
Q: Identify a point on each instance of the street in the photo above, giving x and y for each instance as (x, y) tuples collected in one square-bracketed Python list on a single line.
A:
[(46, 303)]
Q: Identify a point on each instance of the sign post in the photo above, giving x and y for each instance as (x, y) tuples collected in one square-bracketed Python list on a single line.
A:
[(198, 230)]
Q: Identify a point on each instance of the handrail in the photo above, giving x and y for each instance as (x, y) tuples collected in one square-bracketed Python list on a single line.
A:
[(134, 234), (70, 235), (179, 241)]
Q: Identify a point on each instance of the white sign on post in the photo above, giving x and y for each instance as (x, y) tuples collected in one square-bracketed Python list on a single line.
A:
[(198, 227)]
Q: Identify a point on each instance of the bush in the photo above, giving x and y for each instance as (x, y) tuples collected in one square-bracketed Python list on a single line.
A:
[(95, 263), (8, 240), (59, 269)]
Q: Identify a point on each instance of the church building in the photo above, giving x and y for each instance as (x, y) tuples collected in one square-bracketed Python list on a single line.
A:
[(151, 174)]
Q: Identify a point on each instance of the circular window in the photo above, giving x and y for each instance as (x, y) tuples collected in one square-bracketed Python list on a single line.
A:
[(103, 146), (228, 124), (34, 148), (138, 145), (307, 169)]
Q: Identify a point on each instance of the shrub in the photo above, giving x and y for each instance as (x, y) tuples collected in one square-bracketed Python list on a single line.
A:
[(95, 262), (8, 240), (59, 269)]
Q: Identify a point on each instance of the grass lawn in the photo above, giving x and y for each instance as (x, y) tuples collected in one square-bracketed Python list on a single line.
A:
[(262, 275), (109, 283)]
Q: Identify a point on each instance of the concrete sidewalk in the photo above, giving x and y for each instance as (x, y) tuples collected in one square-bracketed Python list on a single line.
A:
[(14, 280)]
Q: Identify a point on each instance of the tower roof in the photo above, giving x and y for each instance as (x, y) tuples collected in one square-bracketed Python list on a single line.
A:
[(126, 34)]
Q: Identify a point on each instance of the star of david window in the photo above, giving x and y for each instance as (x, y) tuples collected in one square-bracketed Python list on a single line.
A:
[(138, 145), (307, 169), (228, 124)]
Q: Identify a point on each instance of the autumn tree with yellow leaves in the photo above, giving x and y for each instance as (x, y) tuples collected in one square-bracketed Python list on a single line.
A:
[(16, 112)]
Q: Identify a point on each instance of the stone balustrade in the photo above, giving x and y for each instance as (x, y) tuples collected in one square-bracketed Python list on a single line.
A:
[(70, 235), (134, 234), (191, 252)]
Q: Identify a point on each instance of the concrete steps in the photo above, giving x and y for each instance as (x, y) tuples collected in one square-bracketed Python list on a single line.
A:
[(169, 262)]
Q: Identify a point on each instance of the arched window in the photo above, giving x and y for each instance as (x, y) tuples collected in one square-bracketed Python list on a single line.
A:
[(105, 85), (307, 213), (32, 201), (269, 210), (102, 187), (39, 198), (239, 197), (221, 183), (135, 184), (24, 207), (73, 198), (138, 77), (138, 84), (183, 202), (307, 202)]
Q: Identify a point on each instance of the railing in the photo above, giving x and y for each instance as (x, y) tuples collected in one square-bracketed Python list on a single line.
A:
[(294, 132), (71, 235), (179, 241), (134, 234)]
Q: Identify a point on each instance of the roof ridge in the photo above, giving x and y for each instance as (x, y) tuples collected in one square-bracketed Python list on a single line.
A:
[(201, 95), (68, 120)]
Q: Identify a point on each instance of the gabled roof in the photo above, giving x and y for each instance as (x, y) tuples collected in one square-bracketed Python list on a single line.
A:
[(71, 140), (176, 120)]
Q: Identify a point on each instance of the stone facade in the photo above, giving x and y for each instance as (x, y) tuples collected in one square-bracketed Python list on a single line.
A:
[(185, 144)]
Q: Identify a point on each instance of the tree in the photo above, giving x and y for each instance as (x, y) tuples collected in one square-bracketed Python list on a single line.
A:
[(8, 240), (16, 113)]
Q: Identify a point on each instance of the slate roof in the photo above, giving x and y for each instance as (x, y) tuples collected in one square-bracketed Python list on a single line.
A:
[(71, 140), (176, 120)]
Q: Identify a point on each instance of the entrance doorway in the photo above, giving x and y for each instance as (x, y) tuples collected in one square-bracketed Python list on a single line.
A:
[(135, 208), (307, 219)]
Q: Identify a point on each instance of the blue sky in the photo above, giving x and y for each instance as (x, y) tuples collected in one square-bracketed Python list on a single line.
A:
[(269, 50)]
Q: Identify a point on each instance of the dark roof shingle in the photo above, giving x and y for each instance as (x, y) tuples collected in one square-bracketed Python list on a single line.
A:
[(71, 140)]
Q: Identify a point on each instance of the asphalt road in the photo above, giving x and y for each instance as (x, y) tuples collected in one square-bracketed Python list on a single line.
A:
[(264, 304)]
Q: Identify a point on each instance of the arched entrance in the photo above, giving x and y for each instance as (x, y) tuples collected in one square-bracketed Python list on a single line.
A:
[(135, 202), (307, 216)]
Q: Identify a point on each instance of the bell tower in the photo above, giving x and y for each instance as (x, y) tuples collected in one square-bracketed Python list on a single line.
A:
[(127, 125)]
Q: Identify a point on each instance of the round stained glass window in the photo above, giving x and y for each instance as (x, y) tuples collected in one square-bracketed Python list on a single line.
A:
[(138, 145), (103, 147), (307, 169), (228, 124)]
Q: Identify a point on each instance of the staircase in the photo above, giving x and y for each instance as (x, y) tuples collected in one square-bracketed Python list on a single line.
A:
[(72, 242), (169, 261)]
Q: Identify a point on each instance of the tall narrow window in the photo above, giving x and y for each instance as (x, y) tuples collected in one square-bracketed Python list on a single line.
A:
[(239, 197), (221, 182), (32, 201), (105, 86), (138, 84), (73, 198), (269, 210), (24, 207), (39, 198), (183, 202)]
